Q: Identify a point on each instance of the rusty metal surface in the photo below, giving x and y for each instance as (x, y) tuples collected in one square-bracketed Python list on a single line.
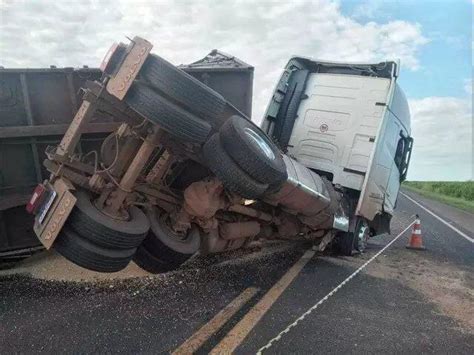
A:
[(250, 212), (204, 198), (289, 227), (114, 203), (121, 82), (75, 177), (239, 230), (160, 168), (73, 133)]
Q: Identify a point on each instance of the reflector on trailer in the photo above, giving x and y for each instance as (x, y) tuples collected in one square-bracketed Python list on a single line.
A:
[(36, 199)]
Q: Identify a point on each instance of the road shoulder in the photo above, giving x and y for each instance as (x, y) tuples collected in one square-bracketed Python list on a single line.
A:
[(461, 218)]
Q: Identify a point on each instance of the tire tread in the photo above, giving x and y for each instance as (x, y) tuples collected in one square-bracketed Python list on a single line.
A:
[(231, 175), (243, 153), (183, 89), (171, 117)]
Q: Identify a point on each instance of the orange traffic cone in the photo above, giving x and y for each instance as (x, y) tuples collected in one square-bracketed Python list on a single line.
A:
[(416, 240)]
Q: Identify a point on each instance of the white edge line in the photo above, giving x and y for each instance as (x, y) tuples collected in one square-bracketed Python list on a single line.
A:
[(440, 219), (310, 310)]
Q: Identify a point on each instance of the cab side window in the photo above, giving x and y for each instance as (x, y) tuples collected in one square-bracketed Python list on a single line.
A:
[(403, 155), (399, 153)]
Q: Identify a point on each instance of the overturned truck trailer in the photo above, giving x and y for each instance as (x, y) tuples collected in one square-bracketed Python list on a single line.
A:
[(188, 172), (36, 108)]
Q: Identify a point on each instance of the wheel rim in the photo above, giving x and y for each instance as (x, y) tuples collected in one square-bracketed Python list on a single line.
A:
[(183, 238), (362, 237), (184, 243), (260, 142)]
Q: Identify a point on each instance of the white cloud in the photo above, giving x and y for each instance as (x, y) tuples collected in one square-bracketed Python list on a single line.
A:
[(264, 34), (468, 83), (368, 9), (442, 129)]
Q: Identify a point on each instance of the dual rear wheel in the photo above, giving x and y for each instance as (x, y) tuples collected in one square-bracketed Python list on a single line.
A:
[(99, 242), (164, 249), (244, 158)]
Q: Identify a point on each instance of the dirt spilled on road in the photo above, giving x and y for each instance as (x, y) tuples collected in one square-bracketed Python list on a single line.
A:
[(49, 265), (440, 282), (450, 288)]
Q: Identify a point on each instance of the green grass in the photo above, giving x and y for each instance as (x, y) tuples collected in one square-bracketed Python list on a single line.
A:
[(459, 194)]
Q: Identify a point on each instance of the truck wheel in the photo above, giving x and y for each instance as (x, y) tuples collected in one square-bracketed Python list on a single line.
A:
[(146, 260), (171, 117), (106, 231), (82, 252), (362, 234), (232, 176), (345, 243), (164, 249), (182, 88), (253, 151)]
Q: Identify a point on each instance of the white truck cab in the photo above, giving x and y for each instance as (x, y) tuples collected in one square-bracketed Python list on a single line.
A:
[(349, 123)]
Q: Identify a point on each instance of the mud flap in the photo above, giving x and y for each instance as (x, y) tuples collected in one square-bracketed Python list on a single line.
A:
[(57, 210)]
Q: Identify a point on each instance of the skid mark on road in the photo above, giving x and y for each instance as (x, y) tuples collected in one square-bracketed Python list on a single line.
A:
[(337, 288), (235, 337), (464, 235)]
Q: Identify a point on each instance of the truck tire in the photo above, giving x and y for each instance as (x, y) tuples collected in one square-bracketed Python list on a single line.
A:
[(253, 151), (345, 243), (163, 249), (82, 252), (93, 225), (171, 117), (183, 89), (361, 235), (232, 176), (148, 262)]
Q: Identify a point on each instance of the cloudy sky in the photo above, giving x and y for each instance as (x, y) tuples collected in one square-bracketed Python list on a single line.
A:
[(432, 38)]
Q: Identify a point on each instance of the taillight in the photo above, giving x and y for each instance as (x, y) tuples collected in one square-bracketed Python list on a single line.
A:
[(36, 199)]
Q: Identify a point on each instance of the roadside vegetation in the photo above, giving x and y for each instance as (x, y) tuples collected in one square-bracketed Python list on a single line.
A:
[(455, 193)]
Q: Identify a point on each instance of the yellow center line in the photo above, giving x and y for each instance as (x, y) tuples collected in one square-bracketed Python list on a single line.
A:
[(235, 337), (206, 331)]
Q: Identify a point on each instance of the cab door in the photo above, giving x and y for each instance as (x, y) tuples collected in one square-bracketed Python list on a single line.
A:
[(389, 163)]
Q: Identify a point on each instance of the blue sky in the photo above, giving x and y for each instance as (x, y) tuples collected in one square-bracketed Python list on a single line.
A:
[(440, 90), (445, 59)]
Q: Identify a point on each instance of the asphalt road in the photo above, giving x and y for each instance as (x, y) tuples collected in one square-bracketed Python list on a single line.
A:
[(403, 302)]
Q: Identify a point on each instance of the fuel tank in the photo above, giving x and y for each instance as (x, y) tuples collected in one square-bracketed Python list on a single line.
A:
[(311, 198)]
